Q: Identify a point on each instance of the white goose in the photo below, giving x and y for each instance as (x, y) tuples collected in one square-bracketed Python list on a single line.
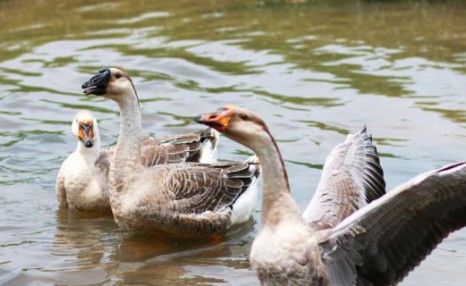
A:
[(378, 244), (82, 178), (178, 199), (82, 181)]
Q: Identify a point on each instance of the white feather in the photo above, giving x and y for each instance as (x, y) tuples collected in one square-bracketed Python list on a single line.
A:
[(209, 151), (244, 205)]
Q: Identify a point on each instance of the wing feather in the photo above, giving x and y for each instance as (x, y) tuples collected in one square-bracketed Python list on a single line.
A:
[(172, 149), (352, 177), (385, 240), (60, 190), (200, 187), (194, 142)]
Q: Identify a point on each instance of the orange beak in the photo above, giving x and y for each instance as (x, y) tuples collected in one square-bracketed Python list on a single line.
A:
[(86, 135), (218, 120)]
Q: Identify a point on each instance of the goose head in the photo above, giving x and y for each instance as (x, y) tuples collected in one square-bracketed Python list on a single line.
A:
[(112, 83), (239, 124), (84, 127)]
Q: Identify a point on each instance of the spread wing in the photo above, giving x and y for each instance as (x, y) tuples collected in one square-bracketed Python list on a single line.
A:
[(351, 178), (385, 240)]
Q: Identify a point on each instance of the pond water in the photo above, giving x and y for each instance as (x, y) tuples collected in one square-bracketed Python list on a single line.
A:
[(314, 71)]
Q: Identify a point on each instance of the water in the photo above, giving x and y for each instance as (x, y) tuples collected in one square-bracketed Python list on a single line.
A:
[(314, 71)]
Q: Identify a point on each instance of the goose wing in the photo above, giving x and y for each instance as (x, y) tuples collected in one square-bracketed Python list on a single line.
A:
[(198, 188), (385, 240), (188, 147), (103, 162), (351, 178), (153, 154), (60, 190), (172, 149)]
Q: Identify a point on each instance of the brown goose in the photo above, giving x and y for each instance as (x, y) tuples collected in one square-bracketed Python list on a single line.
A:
[(83, 177), (378, 244), (189, 199)]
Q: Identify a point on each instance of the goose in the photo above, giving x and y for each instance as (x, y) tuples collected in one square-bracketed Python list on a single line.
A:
[(181, 200), (82, 180), (375, 244)]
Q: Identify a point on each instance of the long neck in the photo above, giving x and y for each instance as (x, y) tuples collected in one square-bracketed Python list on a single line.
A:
[(277, 203), (127, 154)]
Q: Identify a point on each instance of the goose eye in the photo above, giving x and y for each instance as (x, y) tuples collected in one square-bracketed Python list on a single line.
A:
[(244, 117), (117, 76)]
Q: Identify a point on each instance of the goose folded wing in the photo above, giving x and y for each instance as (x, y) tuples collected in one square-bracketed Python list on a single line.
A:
[(171, 149), (197, 188), (351, 178), (152, 155), (103, 162), (191, 141), (384, 241), (60, 190)]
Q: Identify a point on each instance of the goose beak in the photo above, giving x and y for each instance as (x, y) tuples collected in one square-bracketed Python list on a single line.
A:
[(219, 120), (88, 143), (97, 84), (86, 135)]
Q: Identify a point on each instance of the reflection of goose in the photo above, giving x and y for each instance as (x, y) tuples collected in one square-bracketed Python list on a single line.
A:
[(379, 244), (82, 179), (80, 249), (179, 199)]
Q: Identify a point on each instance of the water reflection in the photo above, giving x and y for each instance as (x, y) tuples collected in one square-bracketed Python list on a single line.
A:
[(314, 71), (93, 250)]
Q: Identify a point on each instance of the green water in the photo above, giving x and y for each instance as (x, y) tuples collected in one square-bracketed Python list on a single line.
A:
[(313, 71)]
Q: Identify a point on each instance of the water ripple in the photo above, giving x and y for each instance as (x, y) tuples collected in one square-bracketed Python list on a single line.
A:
[(314, 71)]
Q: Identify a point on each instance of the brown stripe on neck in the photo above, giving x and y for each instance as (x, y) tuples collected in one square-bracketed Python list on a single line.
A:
[(285, 173), (134, 88)]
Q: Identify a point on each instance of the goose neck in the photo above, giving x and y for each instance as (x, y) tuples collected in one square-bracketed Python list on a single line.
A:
[(127, 153), (90, 154), (277, 202)]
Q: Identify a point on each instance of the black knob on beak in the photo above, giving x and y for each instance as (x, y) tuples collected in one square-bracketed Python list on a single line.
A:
[(88, 144)]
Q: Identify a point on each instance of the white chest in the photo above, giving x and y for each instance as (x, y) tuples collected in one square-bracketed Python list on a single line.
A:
[(86, 187), (288, 256)]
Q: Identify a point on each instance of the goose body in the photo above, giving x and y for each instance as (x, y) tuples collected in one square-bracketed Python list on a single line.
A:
[(82, 181), (351, 233), (186, 200)]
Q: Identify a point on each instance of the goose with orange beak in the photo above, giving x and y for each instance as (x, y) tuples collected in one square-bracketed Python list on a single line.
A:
[(350, 233), (82, 181)]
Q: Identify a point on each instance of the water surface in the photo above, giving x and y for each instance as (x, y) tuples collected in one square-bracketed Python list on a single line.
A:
[(313, 71)]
